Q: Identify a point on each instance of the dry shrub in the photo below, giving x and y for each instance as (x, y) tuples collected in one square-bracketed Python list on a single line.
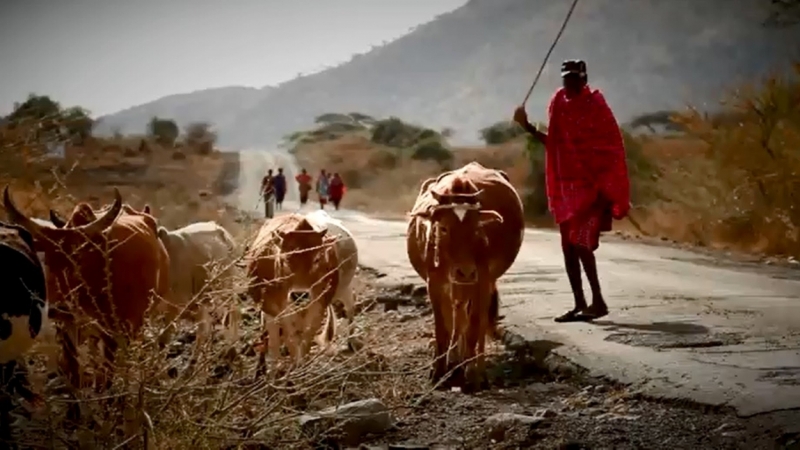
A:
[(739, 176)]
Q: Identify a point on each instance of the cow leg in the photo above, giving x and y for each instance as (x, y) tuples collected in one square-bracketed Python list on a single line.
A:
[(234, 317), (441, 334), (349, 301), (204, 328), (313, 317), (475, 339), (6, 404), (69, 367)]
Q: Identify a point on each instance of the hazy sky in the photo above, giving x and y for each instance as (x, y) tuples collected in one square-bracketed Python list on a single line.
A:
[(106, 55)]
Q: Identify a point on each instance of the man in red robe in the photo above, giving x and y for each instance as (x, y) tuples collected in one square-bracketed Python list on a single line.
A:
[(586, 177)]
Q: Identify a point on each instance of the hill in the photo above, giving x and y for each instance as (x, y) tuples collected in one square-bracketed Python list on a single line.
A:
[(469, 68)]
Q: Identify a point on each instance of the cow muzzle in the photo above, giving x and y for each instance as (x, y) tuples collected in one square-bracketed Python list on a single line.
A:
[(299, 297), (464, 275)]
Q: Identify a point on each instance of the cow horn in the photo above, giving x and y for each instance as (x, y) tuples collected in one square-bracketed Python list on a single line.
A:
[(15, 216), (56, 220), (107, 219)]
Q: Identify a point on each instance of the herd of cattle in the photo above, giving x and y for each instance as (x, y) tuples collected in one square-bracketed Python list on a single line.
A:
[(97, 273)]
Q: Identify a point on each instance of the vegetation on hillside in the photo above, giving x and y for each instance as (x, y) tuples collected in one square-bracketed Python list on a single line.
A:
[(48, 152), (726, 178)]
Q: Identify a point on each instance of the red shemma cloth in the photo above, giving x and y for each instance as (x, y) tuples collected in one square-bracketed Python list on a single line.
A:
[(586, 172)]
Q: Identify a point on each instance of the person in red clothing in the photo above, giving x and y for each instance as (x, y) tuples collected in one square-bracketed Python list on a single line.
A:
[(337, 190), (586, 177), (304, 184)]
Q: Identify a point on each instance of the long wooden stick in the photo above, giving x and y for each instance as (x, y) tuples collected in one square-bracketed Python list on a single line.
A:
[(547, 57)]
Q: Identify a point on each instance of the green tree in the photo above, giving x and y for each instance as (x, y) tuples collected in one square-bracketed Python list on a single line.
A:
[(432, 150), (200, 136), (784, 13), (77, 123), (165, 131), (501, 132)]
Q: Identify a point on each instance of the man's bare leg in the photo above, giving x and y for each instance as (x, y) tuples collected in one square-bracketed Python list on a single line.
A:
[(572, 264), (598, 307)]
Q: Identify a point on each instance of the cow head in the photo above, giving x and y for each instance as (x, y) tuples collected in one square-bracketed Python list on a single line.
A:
[(456, 234), (65, 248), (303, 247), (83, 214)]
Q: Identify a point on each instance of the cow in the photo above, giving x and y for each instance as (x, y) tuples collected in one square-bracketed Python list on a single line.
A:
[(105, 270), (464, 232), (23, 314), (194, 251), (288, 257), (347, 253)]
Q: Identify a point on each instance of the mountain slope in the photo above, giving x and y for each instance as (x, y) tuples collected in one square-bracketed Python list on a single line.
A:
[(469, 68), (219, 106)]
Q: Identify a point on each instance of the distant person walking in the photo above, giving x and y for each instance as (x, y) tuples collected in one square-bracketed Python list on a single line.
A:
[(323, 188), (337, 190), (268, 194), (304, 185), (279, 184), (586, 178)]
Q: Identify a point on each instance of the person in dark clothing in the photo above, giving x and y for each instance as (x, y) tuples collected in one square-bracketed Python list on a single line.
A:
[(268, 194), (279, 184)]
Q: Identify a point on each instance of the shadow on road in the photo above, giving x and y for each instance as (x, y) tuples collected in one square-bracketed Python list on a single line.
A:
[(662, 327)]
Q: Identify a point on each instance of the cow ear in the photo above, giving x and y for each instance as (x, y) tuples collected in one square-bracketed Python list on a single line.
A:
[(163, 234), (56, 220), (322, 232), (146, 209), (489, 217)]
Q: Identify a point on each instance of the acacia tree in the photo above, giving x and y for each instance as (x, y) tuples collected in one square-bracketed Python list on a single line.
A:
[(784, 13), (165, 131)]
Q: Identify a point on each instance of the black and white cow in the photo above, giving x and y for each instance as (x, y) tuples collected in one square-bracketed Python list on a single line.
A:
[(23, 312)]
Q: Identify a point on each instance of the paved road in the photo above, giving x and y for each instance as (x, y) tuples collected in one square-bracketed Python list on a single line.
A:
[(682, 325)]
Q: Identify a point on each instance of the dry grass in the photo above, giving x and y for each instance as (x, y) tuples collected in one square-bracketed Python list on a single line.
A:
[(187, 395)]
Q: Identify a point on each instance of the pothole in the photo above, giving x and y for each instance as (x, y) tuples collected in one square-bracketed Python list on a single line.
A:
[(664, 341)]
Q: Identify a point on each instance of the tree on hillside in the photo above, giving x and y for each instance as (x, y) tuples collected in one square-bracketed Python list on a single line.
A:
[(501, 132), (362, 118), (165, 131), (328, 118), (784, 13), (393, 132), (200, 136), (657, 118), (35, 107), (77, 122), (432, 150), (47, 121)]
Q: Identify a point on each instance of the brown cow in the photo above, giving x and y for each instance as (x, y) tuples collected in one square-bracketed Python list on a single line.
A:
[(105, 270), (465, 231), (290, 256)]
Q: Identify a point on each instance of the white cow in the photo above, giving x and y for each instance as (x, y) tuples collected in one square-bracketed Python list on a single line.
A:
[(347, 251), (197, 252)]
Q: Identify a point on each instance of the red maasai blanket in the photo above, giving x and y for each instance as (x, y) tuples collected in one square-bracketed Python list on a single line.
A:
[(586, 172)]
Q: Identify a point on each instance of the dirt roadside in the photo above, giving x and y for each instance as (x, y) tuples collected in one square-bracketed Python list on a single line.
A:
[(536, 400)]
